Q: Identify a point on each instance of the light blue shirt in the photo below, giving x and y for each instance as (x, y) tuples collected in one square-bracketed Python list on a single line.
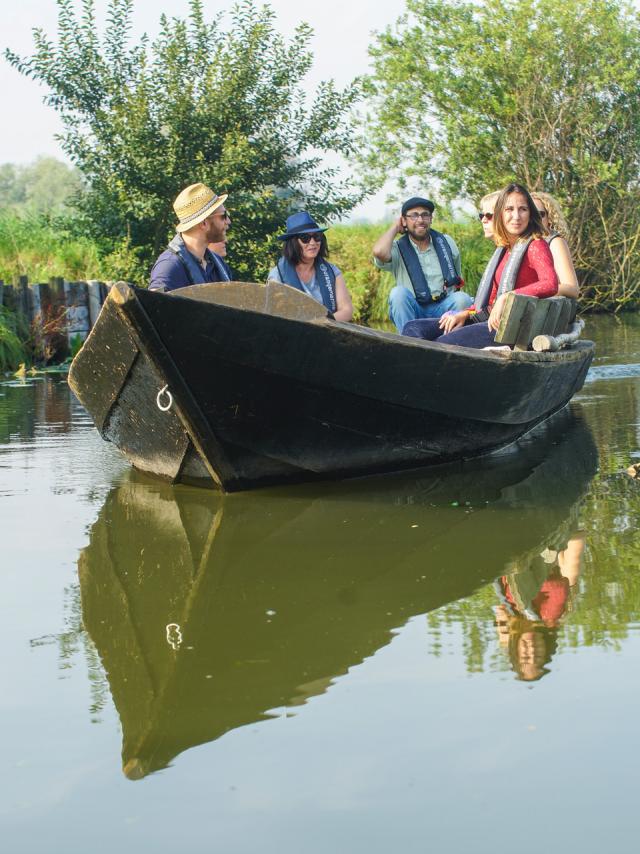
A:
[(428, 261), (312, 287)]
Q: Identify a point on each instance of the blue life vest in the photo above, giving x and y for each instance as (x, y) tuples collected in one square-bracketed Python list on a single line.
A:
[(325, 279), (415, 271), (196, 272)]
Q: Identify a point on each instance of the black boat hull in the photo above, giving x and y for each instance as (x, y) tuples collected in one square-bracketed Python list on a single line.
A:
[(259, 398)]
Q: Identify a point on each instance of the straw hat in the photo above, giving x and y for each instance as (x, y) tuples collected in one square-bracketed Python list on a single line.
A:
[(195, 203)]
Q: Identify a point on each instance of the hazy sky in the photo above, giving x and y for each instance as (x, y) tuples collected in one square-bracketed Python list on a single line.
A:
[(342, 36)]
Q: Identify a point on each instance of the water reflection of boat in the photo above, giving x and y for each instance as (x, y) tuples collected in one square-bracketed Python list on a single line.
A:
[(210, 611)]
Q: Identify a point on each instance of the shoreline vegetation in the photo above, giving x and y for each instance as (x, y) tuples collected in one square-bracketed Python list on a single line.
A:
[(48, 247)]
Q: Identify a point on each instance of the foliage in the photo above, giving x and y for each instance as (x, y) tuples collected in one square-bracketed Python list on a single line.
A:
[(41, 246), (468, 96), (12, 350), (198, 104), (46, 186)]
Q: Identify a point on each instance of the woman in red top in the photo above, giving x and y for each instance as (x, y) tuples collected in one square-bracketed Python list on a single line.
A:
[(522, 262)]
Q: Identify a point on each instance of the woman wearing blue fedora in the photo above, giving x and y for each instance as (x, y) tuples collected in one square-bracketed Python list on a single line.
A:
[(303, 265)]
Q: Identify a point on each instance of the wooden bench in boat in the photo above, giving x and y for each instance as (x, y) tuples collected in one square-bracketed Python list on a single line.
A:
[(525, 319)]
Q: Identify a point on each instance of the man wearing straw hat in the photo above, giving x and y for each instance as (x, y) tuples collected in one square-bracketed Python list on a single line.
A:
[(202, 219)]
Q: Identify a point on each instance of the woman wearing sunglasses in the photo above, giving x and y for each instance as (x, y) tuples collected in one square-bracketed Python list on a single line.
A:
[(303, 265), (485, 214), (556, 225), (522, 261)]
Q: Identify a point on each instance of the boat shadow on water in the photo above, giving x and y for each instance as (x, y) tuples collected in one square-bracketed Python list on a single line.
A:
[(211, 611)]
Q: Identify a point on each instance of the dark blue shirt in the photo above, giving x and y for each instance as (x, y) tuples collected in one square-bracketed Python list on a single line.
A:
[(169, 272)]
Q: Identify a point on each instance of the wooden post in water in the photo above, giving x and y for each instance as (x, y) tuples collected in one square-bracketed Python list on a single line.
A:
[(77, 303), (97, 292), (56, 288), (23, 299), (49, 321), (59, 309), (40, 300), (9, 297)]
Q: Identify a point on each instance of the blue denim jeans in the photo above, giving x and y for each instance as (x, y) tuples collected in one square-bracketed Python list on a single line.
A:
[(403, 306)]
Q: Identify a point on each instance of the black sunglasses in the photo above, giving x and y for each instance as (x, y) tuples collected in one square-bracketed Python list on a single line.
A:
[(305, 238), (485, 215)]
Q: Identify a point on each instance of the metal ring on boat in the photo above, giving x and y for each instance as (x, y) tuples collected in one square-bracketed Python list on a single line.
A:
[(161, 407), (174, 635)]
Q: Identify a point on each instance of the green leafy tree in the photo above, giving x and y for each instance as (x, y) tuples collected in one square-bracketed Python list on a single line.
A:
[(46, 186), (12, 189), (197, 104), (51, 186), (468, 96)]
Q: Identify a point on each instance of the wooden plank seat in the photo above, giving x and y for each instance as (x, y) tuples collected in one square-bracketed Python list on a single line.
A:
[(525, 318)]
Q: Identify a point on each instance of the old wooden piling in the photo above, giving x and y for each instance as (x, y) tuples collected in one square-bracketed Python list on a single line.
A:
[(59, 314)]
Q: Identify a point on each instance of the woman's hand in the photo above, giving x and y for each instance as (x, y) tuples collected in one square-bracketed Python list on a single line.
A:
[(452, 320), (344, 309), (496, 313)]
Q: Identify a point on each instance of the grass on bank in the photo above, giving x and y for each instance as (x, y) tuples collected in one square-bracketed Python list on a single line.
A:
[(43, 247), (13, 348)]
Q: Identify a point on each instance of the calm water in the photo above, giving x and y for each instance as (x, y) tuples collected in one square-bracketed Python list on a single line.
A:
[(443, 662)]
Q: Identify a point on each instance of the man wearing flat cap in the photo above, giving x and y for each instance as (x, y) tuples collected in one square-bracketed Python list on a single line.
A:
[(425, 265), (202, 219)]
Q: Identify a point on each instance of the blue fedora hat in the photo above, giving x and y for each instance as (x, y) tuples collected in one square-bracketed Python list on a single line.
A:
[(300, 223)]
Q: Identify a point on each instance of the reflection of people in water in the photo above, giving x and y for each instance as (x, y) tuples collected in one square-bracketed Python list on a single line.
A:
[(533, 603)]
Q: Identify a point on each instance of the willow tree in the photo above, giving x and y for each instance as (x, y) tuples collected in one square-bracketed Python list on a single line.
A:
[(467, 96), (198, 103)]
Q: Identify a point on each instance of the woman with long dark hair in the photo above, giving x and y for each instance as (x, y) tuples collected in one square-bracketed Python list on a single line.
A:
[(304, 266), (522, 261)]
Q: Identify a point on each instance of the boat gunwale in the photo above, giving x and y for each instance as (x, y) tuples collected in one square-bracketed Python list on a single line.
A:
[(574, 352)]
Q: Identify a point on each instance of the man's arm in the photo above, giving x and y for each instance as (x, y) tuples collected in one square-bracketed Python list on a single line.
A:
[(168, 273), (382, 246)]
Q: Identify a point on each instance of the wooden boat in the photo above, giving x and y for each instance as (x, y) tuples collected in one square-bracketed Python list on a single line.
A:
[(239, 385), (210, 611)]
